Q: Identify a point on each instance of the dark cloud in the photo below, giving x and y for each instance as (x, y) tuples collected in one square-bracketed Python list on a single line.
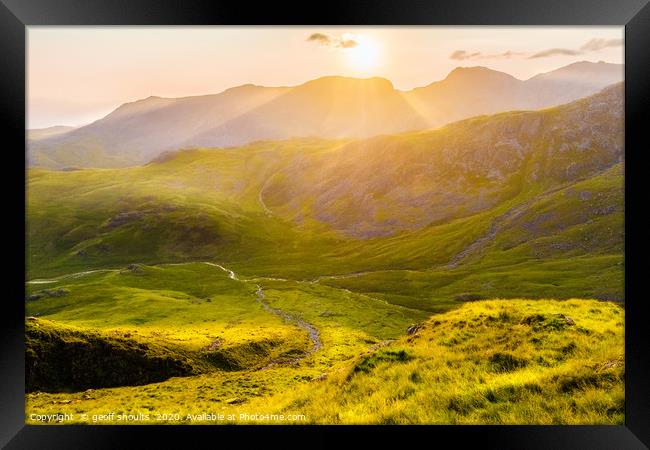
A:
[(328, 40), (321, 38)]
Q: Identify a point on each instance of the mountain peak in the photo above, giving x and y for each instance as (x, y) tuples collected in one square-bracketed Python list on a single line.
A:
[(460, 73), (587, 63), (587, 70), (339, 81), (468, 69), (244, 87), (150, 99)]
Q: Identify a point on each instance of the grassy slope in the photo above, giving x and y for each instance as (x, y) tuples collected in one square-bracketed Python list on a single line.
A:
[(488, 362), (388, 184), (168, 307), (200, 204), (500, 361), (62, 358)]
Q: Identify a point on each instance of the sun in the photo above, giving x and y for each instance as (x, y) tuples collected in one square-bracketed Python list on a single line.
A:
[(365, 55)]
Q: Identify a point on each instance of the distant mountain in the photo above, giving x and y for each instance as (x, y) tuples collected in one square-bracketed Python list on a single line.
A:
[(386, 184), (332, 107), (139, 131), (42, 133), (473, 91), (571, 82), (467, 92), (328, 107)]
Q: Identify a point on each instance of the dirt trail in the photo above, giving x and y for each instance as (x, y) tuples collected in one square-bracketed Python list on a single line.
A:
[(357, 274), (70, 276), (312, 331), (260, 296)]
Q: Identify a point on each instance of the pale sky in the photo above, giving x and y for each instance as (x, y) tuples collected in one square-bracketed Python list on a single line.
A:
[(76, 75)]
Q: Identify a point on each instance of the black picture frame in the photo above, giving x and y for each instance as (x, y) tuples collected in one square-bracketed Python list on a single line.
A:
[(16, 15)]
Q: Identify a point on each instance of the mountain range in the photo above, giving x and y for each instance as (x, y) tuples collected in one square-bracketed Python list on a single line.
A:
[(340, 250), (328, 107), (519, 185)]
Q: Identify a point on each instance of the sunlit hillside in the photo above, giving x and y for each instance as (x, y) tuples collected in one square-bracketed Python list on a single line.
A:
[(492, 362)]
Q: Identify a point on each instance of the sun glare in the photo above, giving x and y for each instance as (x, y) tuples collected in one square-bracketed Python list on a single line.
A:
[(365, 55)]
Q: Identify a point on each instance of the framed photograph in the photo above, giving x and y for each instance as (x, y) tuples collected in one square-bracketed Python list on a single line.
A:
[(372, 214)]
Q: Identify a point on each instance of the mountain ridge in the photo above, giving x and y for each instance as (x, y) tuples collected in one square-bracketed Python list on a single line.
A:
[(326, 107)]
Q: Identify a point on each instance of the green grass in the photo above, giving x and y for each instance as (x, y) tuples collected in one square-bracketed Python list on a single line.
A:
[(438, 290), (493, 362), (206, 204)]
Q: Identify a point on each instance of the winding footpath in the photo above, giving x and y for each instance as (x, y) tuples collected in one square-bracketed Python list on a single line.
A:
[(314, 335), (260, 297), (71, 276)]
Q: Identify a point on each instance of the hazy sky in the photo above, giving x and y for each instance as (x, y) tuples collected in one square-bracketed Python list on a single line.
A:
[(78, 74)]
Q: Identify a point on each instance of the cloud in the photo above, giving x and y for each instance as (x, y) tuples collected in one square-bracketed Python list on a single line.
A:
[(330, 41), (593, 45), (348, 43), (511, 54), (462, 55), (598, 44), (554, 52)]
